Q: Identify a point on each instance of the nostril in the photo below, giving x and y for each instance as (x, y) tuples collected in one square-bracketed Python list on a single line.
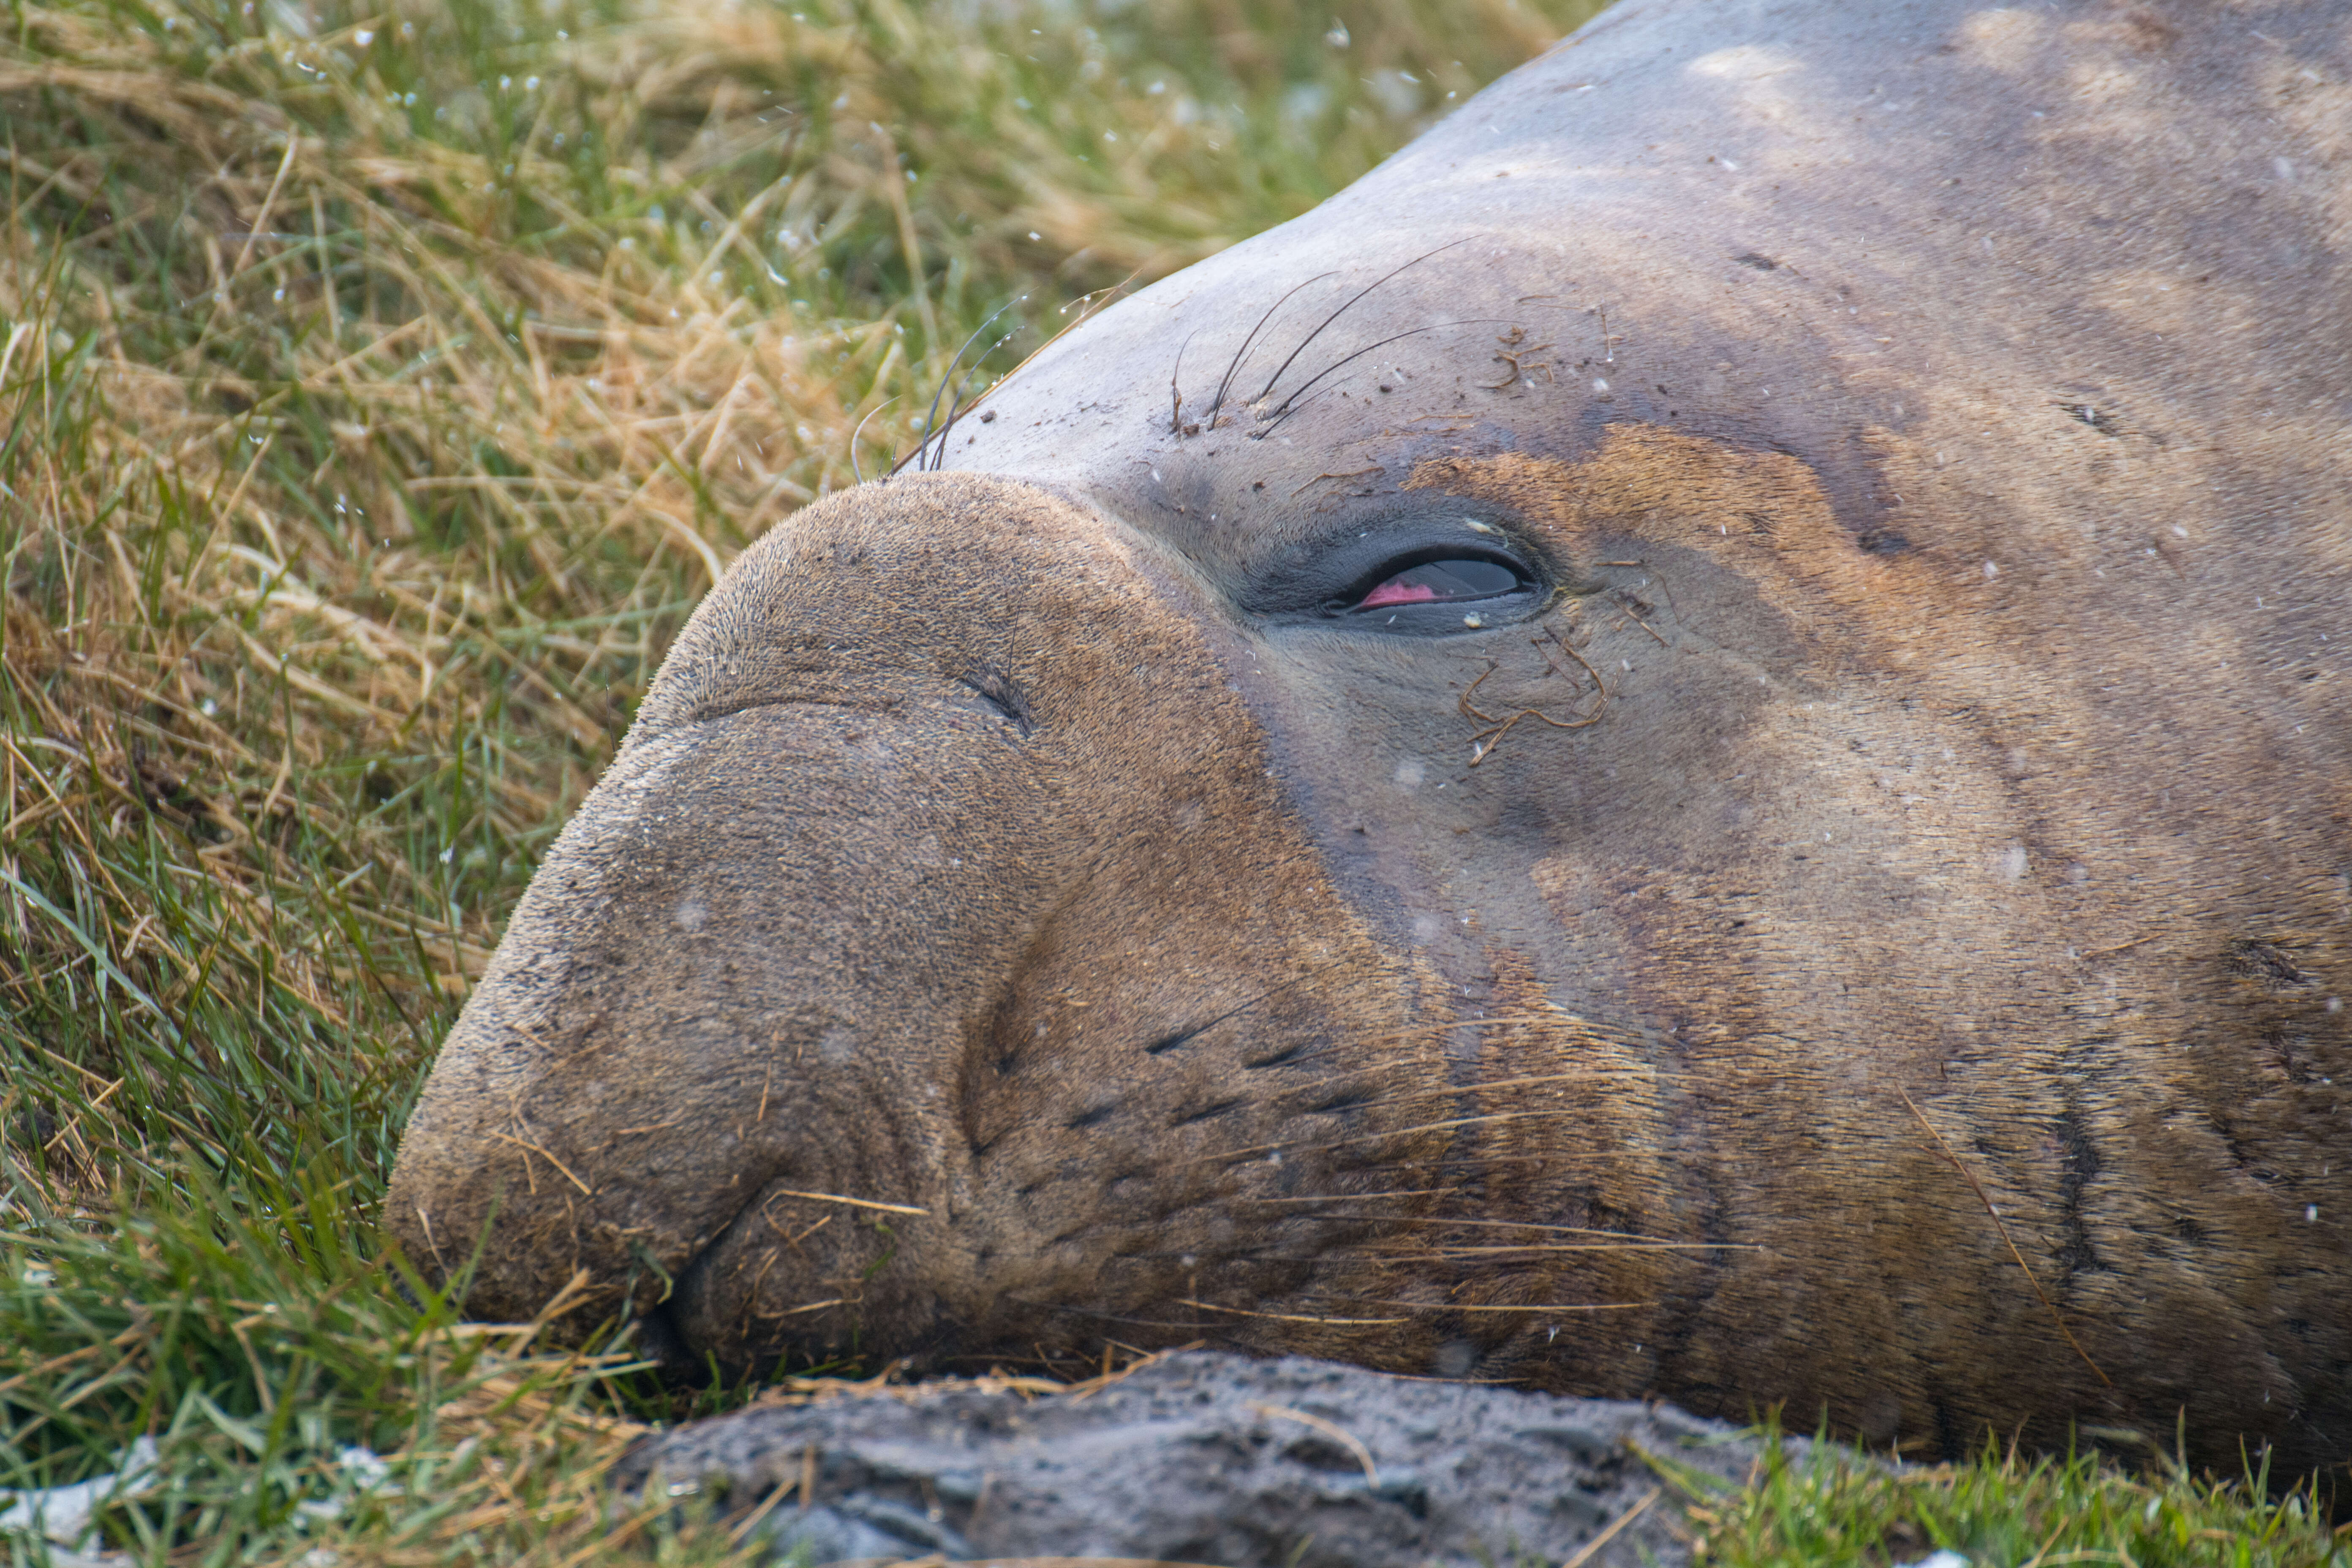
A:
[(997, 688)]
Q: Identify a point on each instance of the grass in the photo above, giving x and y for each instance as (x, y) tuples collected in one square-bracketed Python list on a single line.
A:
[(380, 385), (2003, 1509)]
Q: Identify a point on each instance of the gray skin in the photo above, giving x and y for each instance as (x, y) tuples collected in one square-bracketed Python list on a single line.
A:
[(1863, 925)]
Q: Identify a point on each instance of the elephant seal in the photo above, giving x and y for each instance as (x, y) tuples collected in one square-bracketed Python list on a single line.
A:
[(1694, 743)]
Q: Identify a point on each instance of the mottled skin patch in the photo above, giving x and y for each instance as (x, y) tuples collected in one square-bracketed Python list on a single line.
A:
[(1931, 776)]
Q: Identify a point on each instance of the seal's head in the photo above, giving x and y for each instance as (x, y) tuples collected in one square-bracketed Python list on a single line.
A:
[(1704, 752)]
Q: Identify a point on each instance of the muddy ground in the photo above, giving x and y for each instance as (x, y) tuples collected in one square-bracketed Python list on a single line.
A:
[(1210, 1458)]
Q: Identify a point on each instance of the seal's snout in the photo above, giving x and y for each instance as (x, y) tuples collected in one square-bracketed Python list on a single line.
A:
[(831, 1020)]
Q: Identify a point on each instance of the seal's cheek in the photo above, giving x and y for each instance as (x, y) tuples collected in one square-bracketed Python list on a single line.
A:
[(1701, 782), (1764, 557)]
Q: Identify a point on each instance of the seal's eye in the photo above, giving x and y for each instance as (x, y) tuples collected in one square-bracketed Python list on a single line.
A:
[(1445, 582), (1416, 577), (1440, 589)]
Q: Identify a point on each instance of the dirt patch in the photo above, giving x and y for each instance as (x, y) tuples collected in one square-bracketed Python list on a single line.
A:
[(1209, 1459)]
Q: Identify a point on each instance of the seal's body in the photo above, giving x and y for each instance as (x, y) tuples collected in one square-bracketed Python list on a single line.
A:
[(1695, 742)]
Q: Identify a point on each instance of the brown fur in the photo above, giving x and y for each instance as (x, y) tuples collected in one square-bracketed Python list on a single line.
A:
[(1875, 938)]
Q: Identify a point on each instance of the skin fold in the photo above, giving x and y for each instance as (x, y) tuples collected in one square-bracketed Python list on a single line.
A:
[(1863, 923)]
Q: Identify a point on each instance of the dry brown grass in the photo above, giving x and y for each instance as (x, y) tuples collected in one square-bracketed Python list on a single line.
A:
[(450, 414)]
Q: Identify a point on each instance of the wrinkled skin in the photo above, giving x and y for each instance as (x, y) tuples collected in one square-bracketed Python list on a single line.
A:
[(1912, 989)]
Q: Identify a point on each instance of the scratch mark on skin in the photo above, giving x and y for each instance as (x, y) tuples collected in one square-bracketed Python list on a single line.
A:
[(1483, 744), (1646, 626), (1969, 1176), (1350, 474)]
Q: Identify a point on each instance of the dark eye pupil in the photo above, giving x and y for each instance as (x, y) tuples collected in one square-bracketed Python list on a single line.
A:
[(1437, 582)]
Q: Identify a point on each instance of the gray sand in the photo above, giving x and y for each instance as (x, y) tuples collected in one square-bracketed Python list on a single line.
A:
[(1205, 1458)]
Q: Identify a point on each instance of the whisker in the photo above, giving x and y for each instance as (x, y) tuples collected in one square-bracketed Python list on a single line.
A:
[(941, 461), (1295, 1317), (1513, 1224), (1532, 1307), (1389, 1256), (1283, 368), (1100, 1316), (1335, 365), (1410, 1096), (1356, 1197), (931, 415), (1433, 327), (1591, 1247), (1494, 1021), (947, 379), (1476, 1162), (1175, 391), (1182, 1037), (1998, 1224), (1210, 423), (1290, 408), (1088, 304), (1448, 1125), (854, 435), (1451, 1091), (1427, 1030)]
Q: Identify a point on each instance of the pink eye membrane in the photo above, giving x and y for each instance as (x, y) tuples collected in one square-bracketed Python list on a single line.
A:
[(1443, 582)]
